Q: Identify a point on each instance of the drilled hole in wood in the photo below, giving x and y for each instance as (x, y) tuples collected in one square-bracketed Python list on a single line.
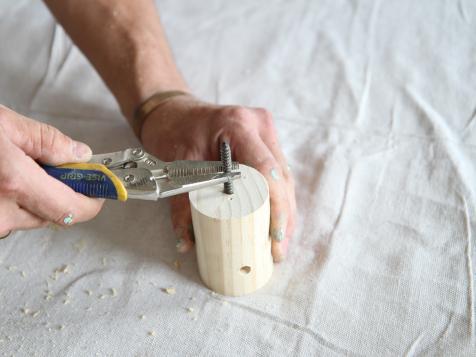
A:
[(245, 269)]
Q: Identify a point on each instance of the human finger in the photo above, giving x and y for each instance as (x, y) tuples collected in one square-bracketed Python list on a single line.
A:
[(41, 141), (13, 217), (182, 222), (256, 154), (50, 199)]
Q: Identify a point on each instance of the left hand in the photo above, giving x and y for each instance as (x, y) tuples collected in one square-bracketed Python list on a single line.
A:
[(185, 128)]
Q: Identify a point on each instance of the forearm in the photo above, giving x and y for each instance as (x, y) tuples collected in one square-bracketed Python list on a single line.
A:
[(126, 43)]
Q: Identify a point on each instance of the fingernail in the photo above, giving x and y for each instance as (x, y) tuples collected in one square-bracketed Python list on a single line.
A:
[(82, 151), (277, 234), (181, 245), (274, 174), (68, 220)]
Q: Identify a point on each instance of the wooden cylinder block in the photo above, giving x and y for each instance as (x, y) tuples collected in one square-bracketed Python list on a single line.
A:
[(232, 234)]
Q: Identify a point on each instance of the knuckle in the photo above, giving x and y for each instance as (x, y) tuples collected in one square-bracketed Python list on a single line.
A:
[(50, 139), (237, 119), (4, 114), (265, 164), (47, 137), (238, 112), (241, 116), (9, 186), (265, 115)]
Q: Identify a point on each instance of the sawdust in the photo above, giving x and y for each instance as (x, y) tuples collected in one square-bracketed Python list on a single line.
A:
[(80, 245), (170, 290), (36, 313)]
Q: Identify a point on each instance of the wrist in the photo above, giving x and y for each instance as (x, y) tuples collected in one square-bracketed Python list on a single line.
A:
[(175, 121), (151, 104)]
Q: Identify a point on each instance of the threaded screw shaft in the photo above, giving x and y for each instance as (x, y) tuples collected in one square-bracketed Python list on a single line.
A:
[(225, 154)]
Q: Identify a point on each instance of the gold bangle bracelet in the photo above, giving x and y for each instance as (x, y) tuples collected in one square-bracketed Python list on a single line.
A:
[(149, 105)]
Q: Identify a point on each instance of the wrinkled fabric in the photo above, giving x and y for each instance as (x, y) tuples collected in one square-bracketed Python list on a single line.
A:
[(375, 107)]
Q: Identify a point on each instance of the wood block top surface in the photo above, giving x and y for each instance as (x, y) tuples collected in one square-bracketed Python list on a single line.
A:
[(250, 193)]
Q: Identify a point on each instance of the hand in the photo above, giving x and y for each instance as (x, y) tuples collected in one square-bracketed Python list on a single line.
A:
[(184, 128), (29, 197)]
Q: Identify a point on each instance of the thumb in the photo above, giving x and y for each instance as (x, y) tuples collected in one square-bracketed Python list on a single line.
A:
[(41, 141)]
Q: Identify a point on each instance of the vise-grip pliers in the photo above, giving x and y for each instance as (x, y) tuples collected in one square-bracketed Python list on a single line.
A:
[(133, 173)]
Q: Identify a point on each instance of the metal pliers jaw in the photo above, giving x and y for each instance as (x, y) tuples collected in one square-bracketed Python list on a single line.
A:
[(146, 177)]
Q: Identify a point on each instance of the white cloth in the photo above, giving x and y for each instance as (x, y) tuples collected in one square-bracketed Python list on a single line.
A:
[(375, 107)]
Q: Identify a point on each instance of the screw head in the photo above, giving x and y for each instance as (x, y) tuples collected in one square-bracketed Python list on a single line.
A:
[(129, 178), (137, 152)]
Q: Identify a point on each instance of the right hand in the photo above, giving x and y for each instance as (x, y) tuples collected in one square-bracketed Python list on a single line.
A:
[(29, 197)]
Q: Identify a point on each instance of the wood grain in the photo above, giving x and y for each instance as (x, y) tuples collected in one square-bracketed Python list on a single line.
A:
[(232, 234)]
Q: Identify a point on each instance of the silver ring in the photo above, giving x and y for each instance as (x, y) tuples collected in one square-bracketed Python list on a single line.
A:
[(6, 235)]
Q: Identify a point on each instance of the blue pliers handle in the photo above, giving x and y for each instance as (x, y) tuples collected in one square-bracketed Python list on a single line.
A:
[(90, 179)]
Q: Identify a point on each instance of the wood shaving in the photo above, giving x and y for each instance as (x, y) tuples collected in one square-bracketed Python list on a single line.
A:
[(23, 274), (190, 309), (61, 327), (12, 268), (102, 296), (89, 292), (35, 314), (152, 333), (66, 301), (104, 261), (80, 245), (170, 291), (113, 292), (25, 310), (142, 317), (63, 269)]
